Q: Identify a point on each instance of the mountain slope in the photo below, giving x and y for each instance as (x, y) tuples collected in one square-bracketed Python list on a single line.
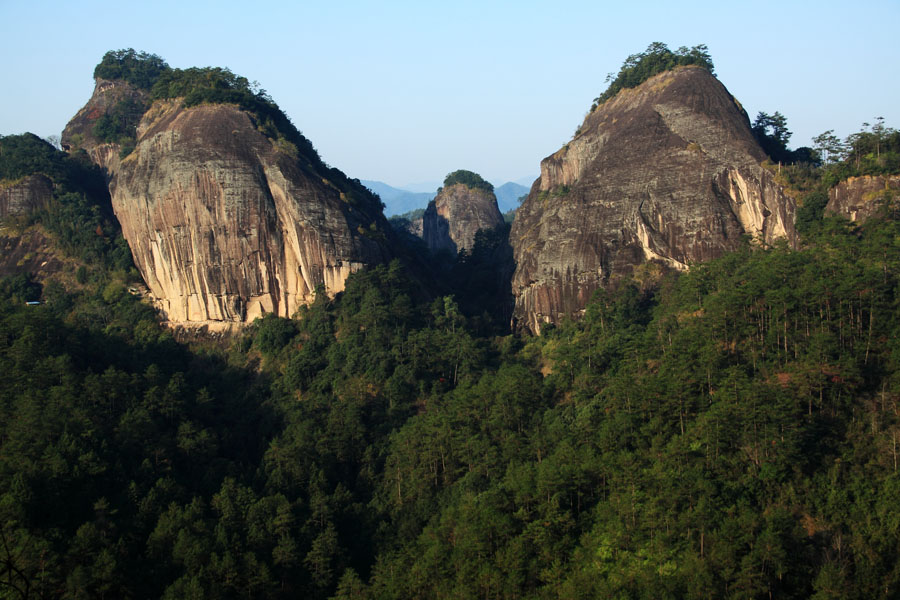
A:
[(463, 206), (668, 172), (229, 213)]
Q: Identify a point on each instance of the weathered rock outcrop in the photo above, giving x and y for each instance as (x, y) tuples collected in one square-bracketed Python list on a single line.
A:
[(859, 198), (29, 251), (79, 132), (226, 224), (668, 171), (456, 214), (22, 197)]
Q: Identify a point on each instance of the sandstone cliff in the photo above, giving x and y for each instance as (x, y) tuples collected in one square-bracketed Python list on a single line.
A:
[(456, 214), (668, 171), (224, 223), (22, 197), (859, 198)]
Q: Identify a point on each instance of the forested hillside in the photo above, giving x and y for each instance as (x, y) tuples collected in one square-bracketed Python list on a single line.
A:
[(732, 431)]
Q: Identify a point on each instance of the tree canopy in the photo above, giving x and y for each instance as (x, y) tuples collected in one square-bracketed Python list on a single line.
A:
[(657, 58), (469, 179), (211, 85), (140, 69)]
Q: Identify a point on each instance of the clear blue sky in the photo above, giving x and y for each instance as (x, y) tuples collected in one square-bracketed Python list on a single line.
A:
[(406, 92)]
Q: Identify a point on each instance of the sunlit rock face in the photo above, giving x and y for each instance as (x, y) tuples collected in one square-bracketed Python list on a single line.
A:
[(224, 223), (859, 198), (668, 171), (456, 214)]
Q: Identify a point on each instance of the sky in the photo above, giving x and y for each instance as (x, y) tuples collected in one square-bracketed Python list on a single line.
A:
[(406, 92)]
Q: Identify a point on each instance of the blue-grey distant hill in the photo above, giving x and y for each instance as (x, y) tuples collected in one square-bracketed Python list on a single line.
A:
[(397, 201), (508, 195)]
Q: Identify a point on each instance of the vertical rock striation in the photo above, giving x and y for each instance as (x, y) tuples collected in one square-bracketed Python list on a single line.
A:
[(668, 171), (226, 224)]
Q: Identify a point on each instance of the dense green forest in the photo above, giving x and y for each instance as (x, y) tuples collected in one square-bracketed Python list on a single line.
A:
[(728, 432), (731, 432)]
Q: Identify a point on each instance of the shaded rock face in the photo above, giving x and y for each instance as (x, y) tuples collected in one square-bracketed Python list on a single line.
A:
[(859, 198), (25, 196), (225, 227), (667, 172), (456, 214)]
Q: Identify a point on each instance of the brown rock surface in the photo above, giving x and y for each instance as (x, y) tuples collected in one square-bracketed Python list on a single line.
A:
[(29, 251), (24, 196), (456, 214), (859, 198), (668, 171), (223, 225), (79, 131)]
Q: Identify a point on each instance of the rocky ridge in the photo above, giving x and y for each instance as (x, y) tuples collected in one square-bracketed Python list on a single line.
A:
[(224, 223), (668, 171)]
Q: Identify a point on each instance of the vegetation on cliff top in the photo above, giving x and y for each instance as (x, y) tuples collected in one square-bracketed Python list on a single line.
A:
[(727, 432), (657, 58), (213, 85), (811, 172), (140, 69), (469, 179)]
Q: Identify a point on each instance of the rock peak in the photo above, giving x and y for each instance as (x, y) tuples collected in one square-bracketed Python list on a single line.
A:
[(462, 207), (668, 171), (224, 223)]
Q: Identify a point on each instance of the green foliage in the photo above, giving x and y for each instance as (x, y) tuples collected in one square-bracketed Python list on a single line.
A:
[(724, 431), (874, 150), (214, 85), (140, 69), (657, 58), (27, 154), (773, 135), (20, 288), (731, 431), (469, 179), (80, 215), (273, 333), (119, 123)]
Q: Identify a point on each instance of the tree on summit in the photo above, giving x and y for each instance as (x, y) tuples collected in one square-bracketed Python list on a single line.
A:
[(773, 135), (657, 58)]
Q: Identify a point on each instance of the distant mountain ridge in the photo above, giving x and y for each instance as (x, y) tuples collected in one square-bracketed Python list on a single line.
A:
[(508, 195), (399, 201)]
